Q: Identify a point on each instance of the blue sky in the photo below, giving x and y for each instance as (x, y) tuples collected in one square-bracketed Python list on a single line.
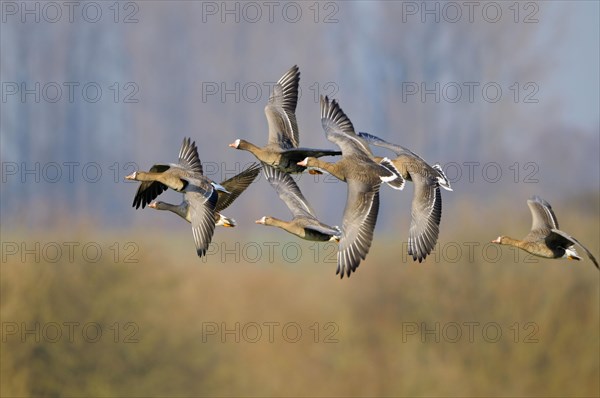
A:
[(578, 82)]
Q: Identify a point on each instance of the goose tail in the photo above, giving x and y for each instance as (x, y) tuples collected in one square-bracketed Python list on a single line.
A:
[(396, 180), (225, 221)]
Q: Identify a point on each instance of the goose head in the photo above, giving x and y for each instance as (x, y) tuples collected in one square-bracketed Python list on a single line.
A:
[(158, 205), (499, 240), (303, 162), (264, 220), (311, 164), (235, 144)]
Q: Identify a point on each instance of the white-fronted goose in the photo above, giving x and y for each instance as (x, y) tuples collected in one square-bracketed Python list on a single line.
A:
[(545, 239), (235, 186), (426, 209), (304, 224), (363, 176), (282, 149), (186, 177)]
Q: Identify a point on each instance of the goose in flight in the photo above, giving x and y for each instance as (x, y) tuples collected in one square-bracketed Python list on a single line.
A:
[(186, 177), (545, 239), (363, 175), (426, 211), (282, 149), (304, 223), (235, 186)]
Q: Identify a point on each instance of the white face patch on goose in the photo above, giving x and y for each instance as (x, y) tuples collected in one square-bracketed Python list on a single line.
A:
[(132, 176)]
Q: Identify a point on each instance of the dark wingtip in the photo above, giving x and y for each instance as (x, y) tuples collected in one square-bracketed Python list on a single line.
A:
[(136, 203)]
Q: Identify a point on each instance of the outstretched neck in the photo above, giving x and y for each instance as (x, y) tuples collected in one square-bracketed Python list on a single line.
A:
[(181, 210), (507, 240), (147, 176), (288, 226), (248, 146), (331, 168), (275, 222)]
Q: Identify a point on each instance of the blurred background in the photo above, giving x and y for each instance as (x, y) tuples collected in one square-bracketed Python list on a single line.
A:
[(100, 299)]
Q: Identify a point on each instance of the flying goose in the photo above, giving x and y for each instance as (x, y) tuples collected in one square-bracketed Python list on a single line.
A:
[(545, 239), (304, 224), (363, 175), (186, 177), (426, 209), (235, 186), (282, 149)]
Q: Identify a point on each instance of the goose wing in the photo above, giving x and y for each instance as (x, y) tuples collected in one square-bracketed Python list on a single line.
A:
[(339, 129), (374, 140), (288, 192), (542, 214), (280, 111), (202, 217), (571, 241), (298, 154), (324, 229), (426, 214), (149, 190), (543, 219), (360, 216), (236, 185), (188, 157)]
